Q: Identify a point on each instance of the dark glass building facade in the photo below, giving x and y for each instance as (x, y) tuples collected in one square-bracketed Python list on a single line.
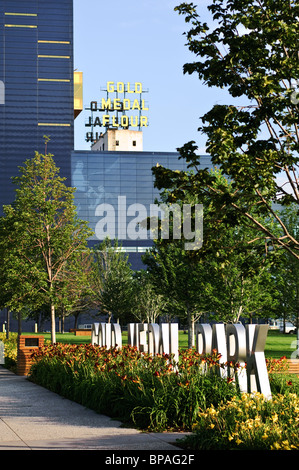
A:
[(36, 74), (115, 190)]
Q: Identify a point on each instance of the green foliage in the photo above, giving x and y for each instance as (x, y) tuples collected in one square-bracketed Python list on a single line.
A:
[(248, 423), (249, 48), (112, 280), (286, 274), (148, 303), (229, 277), (150, 391), (154, 393), (41, 240)]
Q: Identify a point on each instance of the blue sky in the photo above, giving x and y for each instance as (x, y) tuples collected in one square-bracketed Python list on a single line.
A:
[(142, 41)]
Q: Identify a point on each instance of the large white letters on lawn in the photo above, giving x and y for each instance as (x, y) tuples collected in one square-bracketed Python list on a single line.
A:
[(154, 338), (107, 335), (242, 344), (236, 344)]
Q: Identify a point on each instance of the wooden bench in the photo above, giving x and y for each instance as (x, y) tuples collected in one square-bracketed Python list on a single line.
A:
[(80, 332)]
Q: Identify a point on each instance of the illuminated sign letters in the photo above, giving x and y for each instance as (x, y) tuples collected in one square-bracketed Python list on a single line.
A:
[(121, 98)]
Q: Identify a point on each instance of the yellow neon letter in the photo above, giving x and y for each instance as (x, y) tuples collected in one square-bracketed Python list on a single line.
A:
[(114, 122), (106, 104), (110, 87), (136, 105), (105, 120), (134, 121), (138, 87), (120, 86), (129, 88), (127, 104), (124, 121), (117, 104), (143, 106), (143, 121)]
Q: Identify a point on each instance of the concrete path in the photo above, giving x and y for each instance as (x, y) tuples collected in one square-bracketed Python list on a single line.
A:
[(33, 418)]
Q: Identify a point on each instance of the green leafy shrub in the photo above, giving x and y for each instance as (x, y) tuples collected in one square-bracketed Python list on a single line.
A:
[(151, 391), (156, 394)]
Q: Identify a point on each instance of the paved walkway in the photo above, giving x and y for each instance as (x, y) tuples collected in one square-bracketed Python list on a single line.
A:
[(33, 418)]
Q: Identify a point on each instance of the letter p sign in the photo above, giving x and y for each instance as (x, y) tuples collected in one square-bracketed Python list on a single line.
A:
[(2, 92)]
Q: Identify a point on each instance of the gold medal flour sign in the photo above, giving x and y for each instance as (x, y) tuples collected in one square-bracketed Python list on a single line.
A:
[(122, 108)]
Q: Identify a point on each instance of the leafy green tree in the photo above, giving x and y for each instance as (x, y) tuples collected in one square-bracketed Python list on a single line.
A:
[(75, 295), (286, 275), (250, 48), (181, 280), (177, 275), (228, 278), (113, 281), (148, 304), (241, 278), (40, 238)]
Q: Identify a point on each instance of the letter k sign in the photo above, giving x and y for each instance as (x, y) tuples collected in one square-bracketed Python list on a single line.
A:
[(2, 92)]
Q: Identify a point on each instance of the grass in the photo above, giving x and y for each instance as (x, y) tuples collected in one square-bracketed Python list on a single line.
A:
[(277, 344), (280, 344)]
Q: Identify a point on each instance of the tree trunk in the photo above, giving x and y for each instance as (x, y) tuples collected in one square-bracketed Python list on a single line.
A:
[(239, 314), (191, 329), (62, 321), (53, 326)]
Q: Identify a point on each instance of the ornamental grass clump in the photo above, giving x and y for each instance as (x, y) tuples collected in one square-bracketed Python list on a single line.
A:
[(152, 392)]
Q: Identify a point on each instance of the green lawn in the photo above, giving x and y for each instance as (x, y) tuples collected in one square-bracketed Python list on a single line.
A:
[(277, 345)]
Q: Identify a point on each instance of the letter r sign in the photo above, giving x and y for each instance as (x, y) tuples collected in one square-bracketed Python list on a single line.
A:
[(2, 92)]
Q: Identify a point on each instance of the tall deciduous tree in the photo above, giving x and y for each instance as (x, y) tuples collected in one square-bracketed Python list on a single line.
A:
[(75, 295), (148, 303), (286, 276), (228, 278), (113, 280), (250, 48), (181, 280), (41, 238)]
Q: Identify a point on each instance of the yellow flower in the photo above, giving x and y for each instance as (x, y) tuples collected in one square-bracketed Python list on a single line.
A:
[(249, 423), (286, 445), (238, 441), (275, 418)]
